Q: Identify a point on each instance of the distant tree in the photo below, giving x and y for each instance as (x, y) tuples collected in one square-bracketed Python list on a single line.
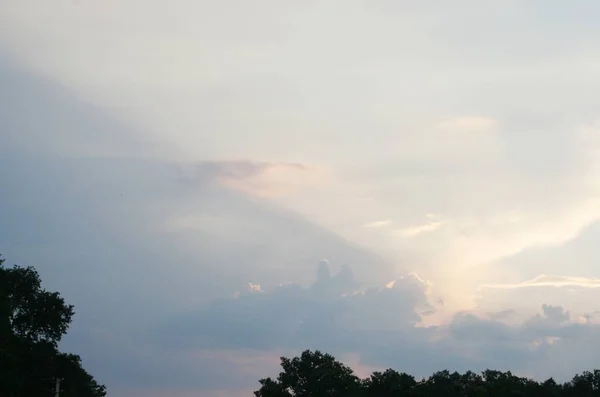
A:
[(389, 383), (312, 374), (32, 323), (586, 384), (548, 388), (315, 374)]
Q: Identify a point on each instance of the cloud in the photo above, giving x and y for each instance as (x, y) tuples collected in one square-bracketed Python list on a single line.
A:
[(577, 293), (378, 224), (122, 176), (64, 123), (115, 225), (262, 179), (468, 124), (173, 245), (578, 253), (119, 231), (413, 231), (382, 327), (550, 281), (331, 304)]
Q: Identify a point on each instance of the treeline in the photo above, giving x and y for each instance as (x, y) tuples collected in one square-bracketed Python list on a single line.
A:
[(32, 323), (314, 374)]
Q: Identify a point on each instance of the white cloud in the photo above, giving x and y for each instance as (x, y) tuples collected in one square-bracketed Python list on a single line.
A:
[(468, 124), (265, 179), (413, 231), (579, 294), (502, 145), (253, 287), (550, 281), (378, 224)]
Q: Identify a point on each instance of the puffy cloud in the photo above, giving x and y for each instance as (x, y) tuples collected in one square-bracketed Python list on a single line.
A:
[(290, 316), (383, 327)]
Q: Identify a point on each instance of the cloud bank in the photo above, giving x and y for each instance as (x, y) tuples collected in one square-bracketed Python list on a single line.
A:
[(382, 327), (176, 172)]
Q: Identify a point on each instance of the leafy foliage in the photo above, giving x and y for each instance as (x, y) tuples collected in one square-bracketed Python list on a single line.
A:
[(32, 323), (301, 376), (315, 374)]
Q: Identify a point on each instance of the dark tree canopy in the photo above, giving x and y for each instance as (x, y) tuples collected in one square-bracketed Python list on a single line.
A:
[(301, 376), (32, 323), (315, 374)]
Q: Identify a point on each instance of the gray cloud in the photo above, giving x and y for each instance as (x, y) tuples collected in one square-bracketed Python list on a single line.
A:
[(113, 258), (138, 242), (290, 316), (380, 324), (130, 238), (579, 253), (99, 231), (240, 169), (41, 117)]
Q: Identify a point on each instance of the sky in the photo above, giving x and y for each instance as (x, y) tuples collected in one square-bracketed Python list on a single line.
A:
[(406, 184)]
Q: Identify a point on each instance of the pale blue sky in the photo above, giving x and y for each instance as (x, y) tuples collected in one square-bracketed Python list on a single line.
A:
[(171, 153)]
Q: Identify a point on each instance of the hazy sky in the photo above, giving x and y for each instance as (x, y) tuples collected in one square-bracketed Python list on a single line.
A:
[(177, 169)]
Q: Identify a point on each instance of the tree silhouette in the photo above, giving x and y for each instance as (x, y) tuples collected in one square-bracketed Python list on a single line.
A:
[(315, 374), (389, 383), (312, 372), (32, 323)]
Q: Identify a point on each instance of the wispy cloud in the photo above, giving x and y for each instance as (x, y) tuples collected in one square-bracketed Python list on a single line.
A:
[(377, 224), (413, 231), (472, 123), (260, 178), (549, 281)]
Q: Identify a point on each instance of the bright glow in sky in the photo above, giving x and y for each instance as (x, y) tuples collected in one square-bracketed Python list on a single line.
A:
[(200, 147)]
